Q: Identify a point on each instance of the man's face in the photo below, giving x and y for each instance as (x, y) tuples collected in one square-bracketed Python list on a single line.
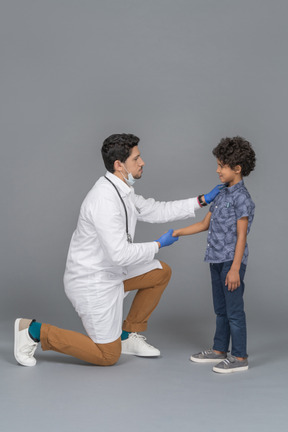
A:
[(134, 164)]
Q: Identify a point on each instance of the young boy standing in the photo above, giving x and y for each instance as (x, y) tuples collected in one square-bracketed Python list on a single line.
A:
[(228, 222)]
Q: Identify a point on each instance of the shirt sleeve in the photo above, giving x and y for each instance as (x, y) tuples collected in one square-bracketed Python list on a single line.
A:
[(243, 206), (153, 211), (211, 208)]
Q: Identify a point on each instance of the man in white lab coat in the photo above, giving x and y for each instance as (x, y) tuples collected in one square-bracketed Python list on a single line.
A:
[(104, 264)]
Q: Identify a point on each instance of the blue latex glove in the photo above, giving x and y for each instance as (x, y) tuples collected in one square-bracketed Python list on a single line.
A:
[(214, 192), (167, 239)]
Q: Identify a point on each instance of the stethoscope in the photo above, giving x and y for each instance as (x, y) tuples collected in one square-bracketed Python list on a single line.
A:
[(129, 238)]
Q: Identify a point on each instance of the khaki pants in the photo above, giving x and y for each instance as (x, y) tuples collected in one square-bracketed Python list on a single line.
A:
[(150, 287)]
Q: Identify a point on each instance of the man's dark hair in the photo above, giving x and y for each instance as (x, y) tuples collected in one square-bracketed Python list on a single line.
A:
[(236, 151), (117, 147)]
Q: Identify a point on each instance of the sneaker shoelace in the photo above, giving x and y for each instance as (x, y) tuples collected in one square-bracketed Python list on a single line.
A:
[(139, 338), (30, 349)]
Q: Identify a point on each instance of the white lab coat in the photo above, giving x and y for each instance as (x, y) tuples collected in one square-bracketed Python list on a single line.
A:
[(100, 257)]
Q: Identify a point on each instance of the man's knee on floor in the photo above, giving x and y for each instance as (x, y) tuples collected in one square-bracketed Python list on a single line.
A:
[(112, 359), (108, 360), (111, 353)]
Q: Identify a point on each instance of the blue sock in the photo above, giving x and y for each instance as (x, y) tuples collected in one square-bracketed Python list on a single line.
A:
[(34, 331), (124, 335)]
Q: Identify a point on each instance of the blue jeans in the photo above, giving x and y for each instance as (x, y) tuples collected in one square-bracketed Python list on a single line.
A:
[(229, 310)]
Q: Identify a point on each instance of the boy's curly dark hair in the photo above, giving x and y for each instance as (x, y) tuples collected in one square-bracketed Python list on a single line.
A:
[(117, 147), (236, 151)]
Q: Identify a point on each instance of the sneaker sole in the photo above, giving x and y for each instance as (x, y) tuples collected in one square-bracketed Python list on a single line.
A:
[(16, 331), (140, 355), (16, 326), (226, 371), (196, 360)]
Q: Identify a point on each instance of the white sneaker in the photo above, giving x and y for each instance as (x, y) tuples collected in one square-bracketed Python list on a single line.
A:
[(136, 345), (24, 346)]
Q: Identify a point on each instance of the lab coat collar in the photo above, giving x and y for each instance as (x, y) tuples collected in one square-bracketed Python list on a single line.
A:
[(121, 185)]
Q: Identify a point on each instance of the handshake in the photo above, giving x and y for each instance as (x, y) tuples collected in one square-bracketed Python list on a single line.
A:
[(167, 239)]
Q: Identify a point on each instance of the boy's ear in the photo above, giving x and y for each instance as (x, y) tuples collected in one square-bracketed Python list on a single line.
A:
[(237, 169)]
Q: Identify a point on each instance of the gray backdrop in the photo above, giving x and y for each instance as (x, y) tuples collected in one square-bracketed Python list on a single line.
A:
[(179, 74)]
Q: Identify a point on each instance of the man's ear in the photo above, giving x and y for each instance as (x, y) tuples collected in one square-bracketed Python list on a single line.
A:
[(118, 166)]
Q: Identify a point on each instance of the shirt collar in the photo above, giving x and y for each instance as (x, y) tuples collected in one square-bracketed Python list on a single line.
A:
[(235, 187), (121, 185)]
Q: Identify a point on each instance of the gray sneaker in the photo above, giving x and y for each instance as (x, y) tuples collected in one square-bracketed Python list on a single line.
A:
[(231, 364), (208, 356)]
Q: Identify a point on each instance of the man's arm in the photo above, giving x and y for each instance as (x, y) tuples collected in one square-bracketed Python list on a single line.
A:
[(106, 213), (195, 228), (153, 211), (233, 276)]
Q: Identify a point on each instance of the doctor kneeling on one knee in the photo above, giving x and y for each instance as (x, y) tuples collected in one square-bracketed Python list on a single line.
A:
[(104, 264)]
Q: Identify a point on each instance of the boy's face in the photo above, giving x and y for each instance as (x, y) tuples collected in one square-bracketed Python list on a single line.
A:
[(227, 174)]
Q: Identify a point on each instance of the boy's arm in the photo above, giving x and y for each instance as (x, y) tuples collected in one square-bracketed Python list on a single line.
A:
[(233, 277), (195, 228)]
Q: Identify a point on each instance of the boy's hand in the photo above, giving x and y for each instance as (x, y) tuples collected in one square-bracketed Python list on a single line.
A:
[(232, 280), (175, 233), (213, 193)]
